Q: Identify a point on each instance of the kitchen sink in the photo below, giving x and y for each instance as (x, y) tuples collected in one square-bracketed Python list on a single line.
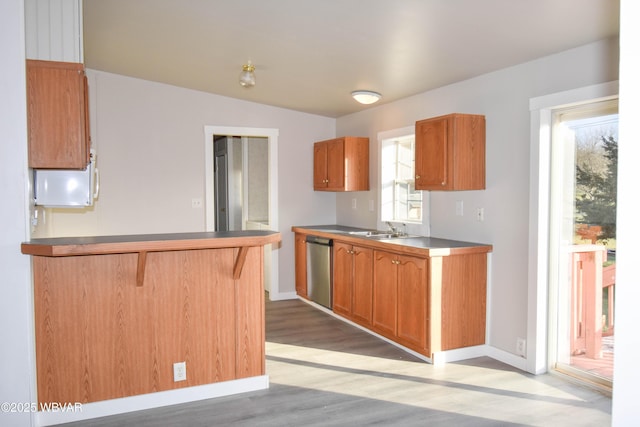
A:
[(375, 234)]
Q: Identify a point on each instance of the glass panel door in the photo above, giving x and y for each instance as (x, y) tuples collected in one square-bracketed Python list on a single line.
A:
[(583, 241)]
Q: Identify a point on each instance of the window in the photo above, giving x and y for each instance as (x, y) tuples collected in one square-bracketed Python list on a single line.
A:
[(400, 202)]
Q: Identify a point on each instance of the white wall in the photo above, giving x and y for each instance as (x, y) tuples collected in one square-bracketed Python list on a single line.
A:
[(150, 154), (16, 324), (626, 375), (503, 97)]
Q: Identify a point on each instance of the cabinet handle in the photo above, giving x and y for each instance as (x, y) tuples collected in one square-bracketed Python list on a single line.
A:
[(442, 183), (417, 176)]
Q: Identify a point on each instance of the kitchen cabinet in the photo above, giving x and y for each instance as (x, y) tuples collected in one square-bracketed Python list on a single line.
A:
[(57, 115), (301, 264), (424, 293), (400, 298), (450, 153), (352, 282), (341, 164)]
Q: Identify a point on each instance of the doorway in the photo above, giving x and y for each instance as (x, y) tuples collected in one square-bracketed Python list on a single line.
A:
[(582, 219), (241, 183), (241, 188)]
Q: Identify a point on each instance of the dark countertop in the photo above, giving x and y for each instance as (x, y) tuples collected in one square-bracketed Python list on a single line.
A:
[(68, 246), (429, 246)]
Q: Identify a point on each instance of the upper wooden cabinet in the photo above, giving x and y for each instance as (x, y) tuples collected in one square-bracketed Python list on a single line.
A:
[(341, 164), (57, 115), (450, 153)]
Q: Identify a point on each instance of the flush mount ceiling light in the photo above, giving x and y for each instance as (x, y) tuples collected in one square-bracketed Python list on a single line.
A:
[(366, 96), (247, 77)]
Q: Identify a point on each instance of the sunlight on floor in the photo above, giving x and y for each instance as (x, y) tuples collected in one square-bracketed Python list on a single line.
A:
[(469, 388)]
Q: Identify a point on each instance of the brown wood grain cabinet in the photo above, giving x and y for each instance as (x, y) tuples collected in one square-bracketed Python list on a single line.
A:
[(112, 317), (400, 298), (429, 297), (57, 115), (341, 164), (352, 282), (300, 256), (450, 153)]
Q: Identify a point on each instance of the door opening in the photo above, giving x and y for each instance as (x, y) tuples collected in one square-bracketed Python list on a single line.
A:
[(249, 197), (582, 223)]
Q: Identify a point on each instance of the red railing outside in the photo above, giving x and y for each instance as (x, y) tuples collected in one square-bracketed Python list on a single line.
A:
[(588, 280)]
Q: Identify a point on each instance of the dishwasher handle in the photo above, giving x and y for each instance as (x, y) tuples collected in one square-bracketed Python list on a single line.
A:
[(319, 240)]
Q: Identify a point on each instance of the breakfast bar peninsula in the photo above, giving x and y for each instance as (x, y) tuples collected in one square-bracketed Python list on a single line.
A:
[(120, 316)]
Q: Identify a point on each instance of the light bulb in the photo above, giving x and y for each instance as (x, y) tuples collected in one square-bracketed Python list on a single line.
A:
[(247, 77), (366, 96)]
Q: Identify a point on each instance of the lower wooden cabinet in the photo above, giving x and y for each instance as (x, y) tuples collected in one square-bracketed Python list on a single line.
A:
[(425, 301), (352, 282), (412, 302), (400, 298), (301, 264)]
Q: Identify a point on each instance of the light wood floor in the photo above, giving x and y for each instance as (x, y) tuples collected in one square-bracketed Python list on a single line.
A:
[(324, 372)]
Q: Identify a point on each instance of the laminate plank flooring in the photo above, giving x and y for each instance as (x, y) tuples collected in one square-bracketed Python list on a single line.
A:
[(325, 372)]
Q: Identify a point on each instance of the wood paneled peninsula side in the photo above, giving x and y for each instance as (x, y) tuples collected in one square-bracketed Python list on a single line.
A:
[(114, 313), (424, 293)]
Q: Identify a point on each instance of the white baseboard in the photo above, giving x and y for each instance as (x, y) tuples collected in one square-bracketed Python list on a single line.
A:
[(148, 401), (457, 354), (508, 358), (281, 296)]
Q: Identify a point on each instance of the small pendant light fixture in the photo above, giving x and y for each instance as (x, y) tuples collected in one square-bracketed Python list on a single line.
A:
[(366, 96), (247, 77)]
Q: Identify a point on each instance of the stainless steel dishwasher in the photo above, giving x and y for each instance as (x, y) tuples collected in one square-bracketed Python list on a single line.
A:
[(320, 270)]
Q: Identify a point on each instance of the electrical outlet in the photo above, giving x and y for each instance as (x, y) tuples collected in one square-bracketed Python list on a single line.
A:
[(354, 203), (459, 208), (521, 347), (179, 371), (196, 202)]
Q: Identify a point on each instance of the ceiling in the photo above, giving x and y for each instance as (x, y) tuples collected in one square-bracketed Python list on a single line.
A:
[(310, 55)]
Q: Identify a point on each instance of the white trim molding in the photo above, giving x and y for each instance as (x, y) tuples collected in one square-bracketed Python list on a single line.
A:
[(541, 109), (79, 412)]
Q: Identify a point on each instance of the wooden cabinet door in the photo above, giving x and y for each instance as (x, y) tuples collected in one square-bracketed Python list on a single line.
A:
[(362, 299), (301, 264), (450, 153), (335, 164), (57, 115), (412, 301), (432, 155), (342, 278), (319, 166), (385, 292)]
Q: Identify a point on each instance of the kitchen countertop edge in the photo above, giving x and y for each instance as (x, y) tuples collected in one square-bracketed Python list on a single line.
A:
[(98, 245), (416, 245)]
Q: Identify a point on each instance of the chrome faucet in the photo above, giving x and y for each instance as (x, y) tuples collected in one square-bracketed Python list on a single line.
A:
[(395, 230)]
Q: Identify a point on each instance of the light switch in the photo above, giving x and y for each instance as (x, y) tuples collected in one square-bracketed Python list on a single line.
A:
[(459, 208)]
